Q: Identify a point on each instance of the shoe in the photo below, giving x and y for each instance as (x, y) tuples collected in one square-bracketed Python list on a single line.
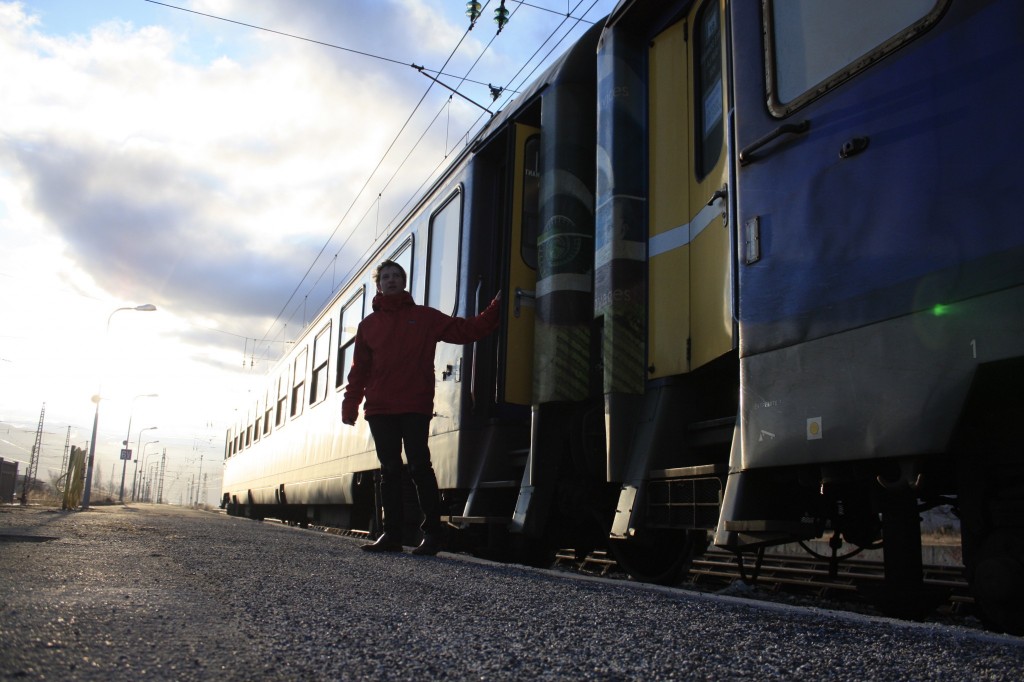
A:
[(385, 543), (430, 546)]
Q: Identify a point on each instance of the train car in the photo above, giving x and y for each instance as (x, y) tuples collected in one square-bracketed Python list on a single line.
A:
[(815, 247), (763, 284), (476, 231)]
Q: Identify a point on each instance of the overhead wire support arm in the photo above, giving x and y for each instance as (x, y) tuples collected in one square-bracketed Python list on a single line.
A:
[(423, 70)]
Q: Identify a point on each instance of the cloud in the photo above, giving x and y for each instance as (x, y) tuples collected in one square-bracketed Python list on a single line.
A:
[(202, 166), (204, 185), (133, 221)]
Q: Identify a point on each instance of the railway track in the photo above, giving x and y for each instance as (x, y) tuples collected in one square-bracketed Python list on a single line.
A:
[(783, 577), (789, 576)]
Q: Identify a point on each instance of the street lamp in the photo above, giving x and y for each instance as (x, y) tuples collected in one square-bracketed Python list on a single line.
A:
[(127, 450), (148, 307), (154, 468), (138, 453), (141, 475)]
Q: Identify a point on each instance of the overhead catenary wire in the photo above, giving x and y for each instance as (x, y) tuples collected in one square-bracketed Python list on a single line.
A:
[(365, 185), (526, 78), (374, 207), (379, 163), (508, 91), (308, 40), (568, 12)]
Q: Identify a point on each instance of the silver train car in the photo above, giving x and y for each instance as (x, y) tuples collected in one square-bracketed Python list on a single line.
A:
[(476, 231)]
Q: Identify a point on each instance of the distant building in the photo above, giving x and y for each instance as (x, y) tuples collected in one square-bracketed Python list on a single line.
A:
[(8, 478)]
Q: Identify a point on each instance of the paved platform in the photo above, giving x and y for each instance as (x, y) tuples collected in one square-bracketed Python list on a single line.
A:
[(164, 593)]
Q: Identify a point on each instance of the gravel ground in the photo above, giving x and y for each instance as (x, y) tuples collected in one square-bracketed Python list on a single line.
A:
[(163, 593)]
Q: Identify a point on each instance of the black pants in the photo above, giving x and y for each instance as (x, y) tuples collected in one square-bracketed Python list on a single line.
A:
[(390, 431)]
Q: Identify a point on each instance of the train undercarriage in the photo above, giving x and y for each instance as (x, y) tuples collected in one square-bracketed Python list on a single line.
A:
[(555, 497)]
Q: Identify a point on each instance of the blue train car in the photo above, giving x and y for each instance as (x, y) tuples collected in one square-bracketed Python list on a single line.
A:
[(818, 251)]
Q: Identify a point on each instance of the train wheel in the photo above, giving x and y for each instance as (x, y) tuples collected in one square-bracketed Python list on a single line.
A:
[(661, 556), (998, 583), (990, 476), (532, 552)]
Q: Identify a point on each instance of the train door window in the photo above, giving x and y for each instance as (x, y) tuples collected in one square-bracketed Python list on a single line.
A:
[(443, 257), (813, 45), (531, 200), (321, 356), (299, 383), (351, 315), (708, 112), (282, 399)]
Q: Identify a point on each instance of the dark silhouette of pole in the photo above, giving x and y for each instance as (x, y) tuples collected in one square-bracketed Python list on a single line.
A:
[(96, 418)]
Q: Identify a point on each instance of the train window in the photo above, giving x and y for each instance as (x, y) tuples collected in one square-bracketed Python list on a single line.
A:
[(813, 45), (708, 84), (282, 399), (443, 256), (403, 256), (531, 200), (229, 450), (257, 429), (248, 435), (321, 355), (351, 315), (299, 383), (268, 413)]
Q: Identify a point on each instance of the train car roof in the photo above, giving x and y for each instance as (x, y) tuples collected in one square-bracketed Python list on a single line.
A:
[(559, 69), (644, 13), (556, 71)]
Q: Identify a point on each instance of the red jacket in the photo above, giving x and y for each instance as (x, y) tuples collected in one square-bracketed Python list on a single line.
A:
[(393, 362)]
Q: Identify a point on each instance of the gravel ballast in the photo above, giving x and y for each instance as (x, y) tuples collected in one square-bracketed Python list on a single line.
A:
[(147, 592)]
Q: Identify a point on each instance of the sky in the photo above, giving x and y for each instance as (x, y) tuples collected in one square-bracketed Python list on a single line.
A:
[(228, 162)]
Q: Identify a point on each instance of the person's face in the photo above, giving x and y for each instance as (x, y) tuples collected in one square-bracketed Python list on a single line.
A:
[(390, 281)]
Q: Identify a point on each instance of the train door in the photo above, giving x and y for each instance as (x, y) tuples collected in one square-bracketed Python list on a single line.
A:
[(518, 381), (689, 276), (444, 236)]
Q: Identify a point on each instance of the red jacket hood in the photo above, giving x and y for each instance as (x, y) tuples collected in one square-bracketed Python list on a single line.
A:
[(382, 302)]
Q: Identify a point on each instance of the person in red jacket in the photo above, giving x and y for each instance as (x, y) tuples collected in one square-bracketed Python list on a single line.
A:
[(393, 368)]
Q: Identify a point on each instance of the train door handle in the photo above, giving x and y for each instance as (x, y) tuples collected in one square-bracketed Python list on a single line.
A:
[(747, 153), (521, 293), (719, 194)]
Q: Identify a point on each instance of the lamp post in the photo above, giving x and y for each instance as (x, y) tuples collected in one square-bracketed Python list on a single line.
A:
[(199, 477), (142, 474), (126, 450), (96, 418), (138, 453), (151, 480)]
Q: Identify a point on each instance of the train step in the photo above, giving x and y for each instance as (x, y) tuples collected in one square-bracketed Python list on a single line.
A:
[(710, 432), (497, 484), (463, 521)]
